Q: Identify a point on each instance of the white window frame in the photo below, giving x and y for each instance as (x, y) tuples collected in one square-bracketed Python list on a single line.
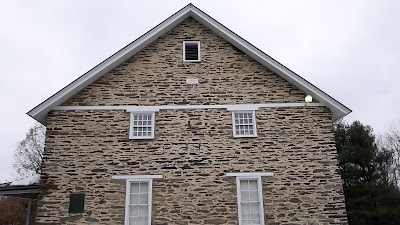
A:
[(138, 178), (198, 49), (149, 197), (260, 197), (253, 112), (132, 114), (250, 176)]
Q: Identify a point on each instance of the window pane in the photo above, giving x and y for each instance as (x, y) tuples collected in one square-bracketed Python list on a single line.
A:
[(133, 210), (133, 220), (253, 185), (143, 198), (143, 220), (246, 208), (244, 185), (246, 216), (254, 207), (143, 210), (255, 218), (144, 187), (253, 196), (245, 196), (134, 188), (247, 222), (134, 199)]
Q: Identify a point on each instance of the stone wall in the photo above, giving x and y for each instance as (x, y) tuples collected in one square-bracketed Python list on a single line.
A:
[(192, 149)]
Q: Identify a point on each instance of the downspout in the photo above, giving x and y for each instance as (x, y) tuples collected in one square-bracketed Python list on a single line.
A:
[(28, 213)]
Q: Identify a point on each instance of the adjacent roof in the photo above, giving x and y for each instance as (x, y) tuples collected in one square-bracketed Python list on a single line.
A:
[(40, 112), (25, 188), (20, 191)]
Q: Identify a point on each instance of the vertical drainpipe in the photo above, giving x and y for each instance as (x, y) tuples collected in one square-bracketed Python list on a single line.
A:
[(28, 213)]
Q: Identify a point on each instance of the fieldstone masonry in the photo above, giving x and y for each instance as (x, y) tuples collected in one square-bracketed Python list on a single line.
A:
[(192, 149)]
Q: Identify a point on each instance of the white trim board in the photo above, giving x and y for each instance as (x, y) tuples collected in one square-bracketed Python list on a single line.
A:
[(39, 113), (133, 177), (250, 174), (238, 107)]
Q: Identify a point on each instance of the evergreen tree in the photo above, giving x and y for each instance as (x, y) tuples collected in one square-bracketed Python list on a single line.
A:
[(371, 197)]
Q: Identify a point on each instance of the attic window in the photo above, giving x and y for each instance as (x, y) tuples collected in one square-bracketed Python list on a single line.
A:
[(191, 51), (142, 125)]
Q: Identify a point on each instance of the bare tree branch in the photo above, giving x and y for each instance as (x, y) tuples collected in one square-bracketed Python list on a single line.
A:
[(29, 152), (391, 142)]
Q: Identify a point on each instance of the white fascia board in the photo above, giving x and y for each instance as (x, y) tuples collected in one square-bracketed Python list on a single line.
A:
[(128, 177), (250, 174)]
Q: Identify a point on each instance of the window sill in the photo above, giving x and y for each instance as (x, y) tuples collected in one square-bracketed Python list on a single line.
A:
[(141, 138), (245, 136), (191, 61)]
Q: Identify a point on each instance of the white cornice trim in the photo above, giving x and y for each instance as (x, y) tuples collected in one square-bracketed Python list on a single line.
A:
[(250, 174), (238, 107), (128, 177)]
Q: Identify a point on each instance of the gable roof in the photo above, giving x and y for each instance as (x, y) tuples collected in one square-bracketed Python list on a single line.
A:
[(39, 113)]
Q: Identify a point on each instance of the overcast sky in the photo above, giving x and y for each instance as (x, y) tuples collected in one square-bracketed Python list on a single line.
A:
[(349, 49)]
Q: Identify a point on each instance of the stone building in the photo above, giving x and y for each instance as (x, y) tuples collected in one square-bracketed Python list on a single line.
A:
[(190, 124)]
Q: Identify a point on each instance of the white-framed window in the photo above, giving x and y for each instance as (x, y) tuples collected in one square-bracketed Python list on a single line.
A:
[(250, 201), (191, 51), (138, 202), (249, 197), (142, 125), (138, 199), (244, 124)]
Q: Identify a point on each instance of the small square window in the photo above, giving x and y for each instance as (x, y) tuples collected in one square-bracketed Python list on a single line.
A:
[(191, 51), (244, 124), (142, 125)]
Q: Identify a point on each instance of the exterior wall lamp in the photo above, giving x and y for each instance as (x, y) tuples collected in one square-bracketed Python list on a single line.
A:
[(308, 99)]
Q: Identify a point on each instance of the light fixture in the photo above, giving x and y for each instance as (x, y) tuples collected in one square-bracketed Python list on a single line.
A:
[(308, 98)]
